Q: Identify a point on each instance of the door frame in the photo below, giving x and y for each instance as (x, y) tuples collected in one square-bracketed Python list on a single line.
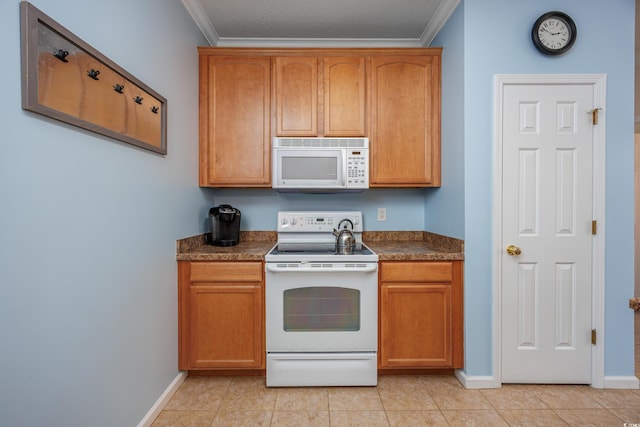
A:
[(598, 82)]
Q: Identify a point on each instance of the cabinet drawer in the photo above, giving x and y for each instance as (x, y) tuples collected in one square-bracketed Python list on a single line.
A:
[(226, 272), (416, 272)]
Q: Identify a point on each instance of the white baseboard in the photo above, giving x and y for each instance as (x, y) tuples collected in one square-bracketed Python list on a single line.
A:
[(162, 400), (477, 381), (486, 381), (626, 382)]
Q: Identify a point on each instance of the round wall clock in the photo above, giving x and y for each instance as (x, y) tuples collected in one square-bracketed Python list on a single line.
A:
[(554, 33)]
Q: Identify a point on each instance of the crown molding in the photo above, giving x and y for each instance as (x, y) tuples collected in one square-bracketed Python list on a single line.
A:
[(315, 42), (438, 20), (199, 15), (197, 12)]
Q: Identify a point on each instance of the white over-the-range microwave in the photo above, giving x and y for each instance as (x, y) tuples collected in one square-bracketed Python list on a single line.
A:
[(320, 164)]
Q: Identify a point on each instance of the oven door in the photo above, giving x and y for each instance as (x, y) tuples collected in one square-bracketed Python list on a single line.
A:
[(320, 307)]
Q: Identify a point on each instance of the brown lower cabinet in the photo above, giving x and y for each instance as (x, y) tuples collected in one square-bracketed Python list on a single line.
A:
[(421, 315), (221, 315)]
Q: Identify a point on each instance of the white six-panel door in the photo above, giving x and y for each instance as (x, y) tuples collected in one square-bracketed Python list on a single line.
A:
[(547, 213)]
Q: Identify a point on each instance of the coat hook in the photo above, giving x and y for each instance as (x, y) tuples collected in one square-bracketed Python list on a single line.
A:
[(154, 109), (61, 55), (138, 99), (93, 74), (118, 88)]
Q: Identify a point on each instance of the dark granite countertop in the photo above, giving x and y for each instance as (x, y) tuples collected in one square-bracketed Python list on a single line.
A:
[(389, 245), (253, 246), (413, 246)]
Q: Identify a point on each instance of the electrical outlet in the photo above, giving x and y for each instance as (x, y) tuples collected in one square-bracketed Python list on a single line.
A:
[(382, 214)]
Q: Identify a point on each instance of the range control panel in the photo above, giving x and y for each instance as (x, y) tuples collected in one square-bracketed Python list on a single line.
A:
[(320, 221)]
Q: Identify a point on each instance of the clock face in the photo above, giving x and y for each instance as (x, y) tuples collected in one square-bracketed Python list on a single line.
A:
[(554, 33)]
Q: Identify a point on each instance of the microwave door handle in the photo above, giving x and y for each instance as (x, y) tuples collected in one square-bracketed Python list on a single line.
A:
[(344, 169)]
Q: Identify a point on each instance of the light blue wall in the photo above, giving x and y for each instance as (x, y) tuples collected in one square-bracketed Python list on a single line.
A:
[(88, 304), (405, 208), (444, 207), (497, 41)]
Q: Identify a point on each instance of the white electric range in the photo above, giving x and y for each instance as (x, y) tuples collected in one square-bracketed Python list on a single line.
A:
[(321, 307)]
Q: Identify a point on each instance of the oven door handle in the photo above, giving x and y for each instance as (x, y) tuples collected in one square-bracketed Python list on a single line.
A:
[(368, 268)]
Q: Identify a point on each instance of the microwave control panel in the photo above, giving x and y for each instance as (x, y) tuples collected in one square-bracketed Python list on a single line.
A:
[(358, 168)]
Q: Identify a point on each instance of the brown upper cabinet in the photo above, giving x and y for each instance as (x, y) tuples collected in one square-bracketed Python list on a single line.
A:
[(296, 96), (405, 120), (235, 121), (320, 96), (344, 96), (248, 96)]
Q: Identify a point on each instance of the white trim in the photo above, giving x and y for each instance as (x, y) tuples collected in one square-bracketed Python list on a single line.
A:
[(197, 12), (497, 229), (439, 18), (629, 382), (315, 42), (599, 82), (478, 381), (599, 204), (162, 401)]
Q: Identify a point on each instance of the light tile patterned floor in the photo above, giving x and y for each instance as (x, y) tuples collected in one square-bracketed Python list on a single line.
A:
[(396, 401), (402, 401)]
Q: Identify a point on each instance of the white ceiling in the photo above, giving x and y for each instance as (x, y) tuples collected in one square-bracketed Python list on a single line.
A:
[(326, 23)]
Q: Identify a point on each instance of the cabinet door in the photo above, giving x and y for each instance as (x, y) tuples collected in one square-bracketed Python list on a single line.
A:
[(235, 106), (226, 326), (344, 96), (220, 315), (405, 121), (416, 327), (296, 96), (421, 315)]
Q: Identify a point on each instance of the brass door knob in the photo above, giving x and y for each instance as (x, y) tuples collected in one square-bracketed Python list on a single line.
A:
[(513, 250)]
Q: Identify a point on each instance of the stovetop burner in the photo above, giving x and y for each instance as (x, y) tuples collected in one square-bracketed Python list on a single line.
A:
[(275, 251), (363, 255)]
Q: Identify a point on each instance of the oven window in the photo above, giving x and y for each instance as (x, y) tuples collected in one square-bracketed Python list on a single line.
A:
[(321, 308)]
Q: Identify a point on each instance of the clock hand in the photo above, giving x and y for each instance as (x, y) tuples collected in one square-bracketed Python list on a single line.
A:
[(553, 34)]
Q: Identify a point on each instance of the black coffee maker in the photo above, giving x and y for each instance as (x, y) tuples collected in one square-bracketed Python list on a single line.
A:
[(225, 225)]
